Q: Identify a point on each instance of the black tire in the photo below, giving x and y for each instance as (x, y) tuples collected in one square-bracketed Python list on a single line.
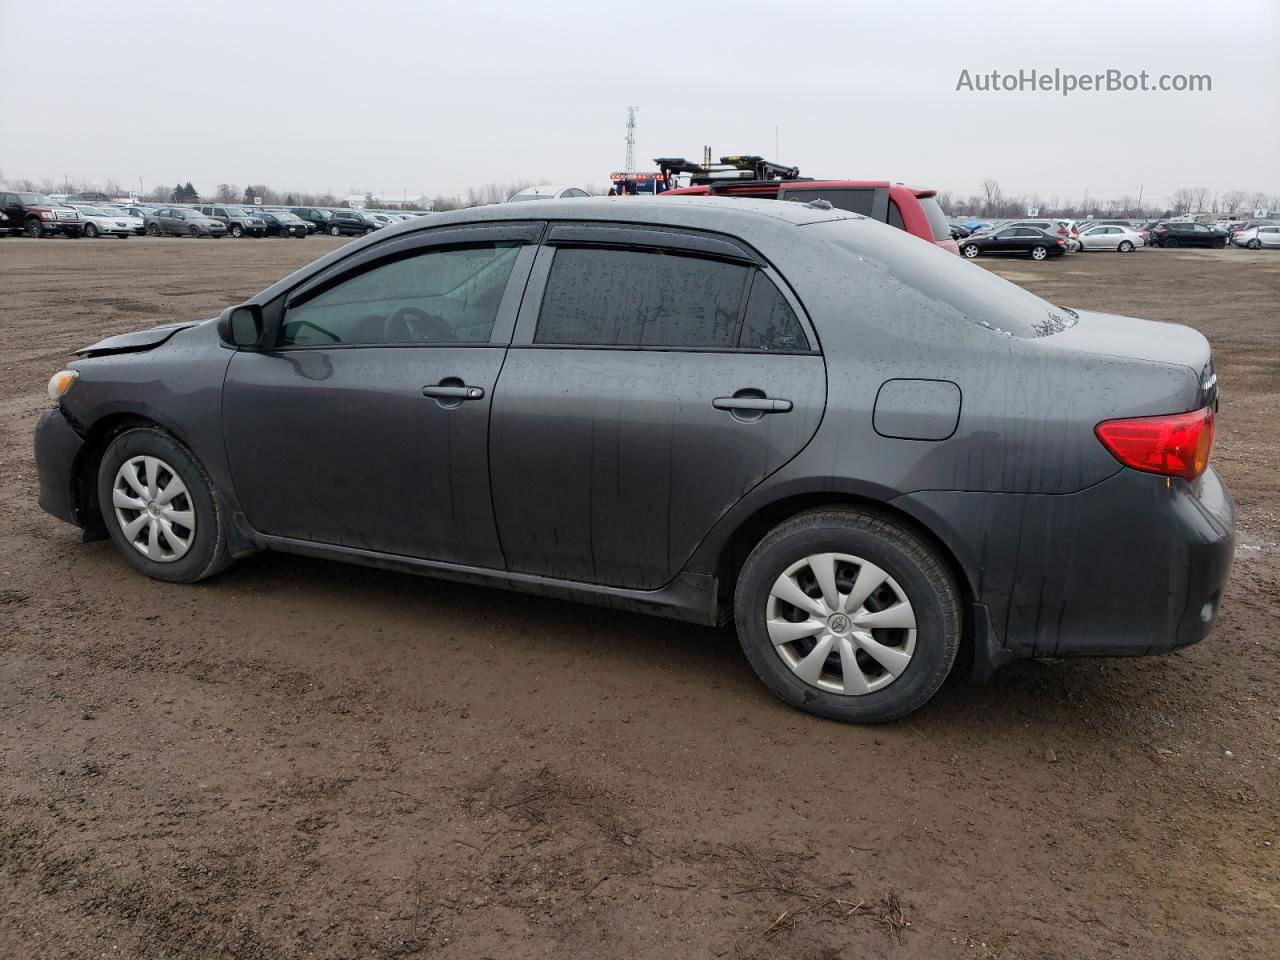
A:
[(207, 553), (153, 230), (237, 231), (916, 568), (1126, 246), (35, 229), (194, 231), (1220, 243), (1171, 242), (91, 231), (1254, 244), (1039, 253)]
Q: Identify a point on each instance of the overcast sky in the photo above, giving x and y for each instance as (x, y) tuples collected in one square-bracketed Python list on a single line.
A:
[(431, 98)]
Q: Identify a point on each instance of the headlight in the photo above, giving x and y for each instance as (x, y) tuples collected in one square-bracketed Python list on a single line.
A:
[(60, 383), (46, 215)]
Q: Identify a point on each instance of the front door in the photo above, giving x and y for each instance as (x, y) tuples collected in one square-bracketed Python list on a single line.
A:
[(366, 424), (649, 387)]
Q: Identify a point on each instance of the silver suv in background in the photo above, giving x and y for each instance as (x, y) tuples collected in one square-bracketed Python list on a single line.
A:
[(238, 221), (183, 222)]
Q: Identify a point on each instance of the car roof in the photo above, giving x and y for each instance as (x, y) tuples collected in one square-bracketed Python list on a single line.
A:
[(726, 213)]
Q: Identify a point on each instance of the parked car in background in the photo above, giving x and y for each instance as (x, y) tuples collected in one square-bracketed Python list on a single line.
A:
[(1264, 235), (135, 210), (859, 523), (350, 223), (1110, 237), (1171, 233), (378, 219), (102, 221), (281, 223), (959, 231), (547, 191), (1015, 241), (238, 221), (38, 215), (183, 222), (1058, 228), (318, 219), (912, 209)]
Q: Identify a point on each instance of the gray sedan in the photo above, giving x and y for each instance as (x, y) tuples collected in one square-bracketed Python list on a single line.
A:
[(1110, 237), (872, 457), (1264, 235), (183, 222)]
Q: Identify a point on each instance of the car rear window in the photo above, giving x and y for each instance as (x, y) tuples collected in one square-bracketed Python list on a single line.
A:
[(937, 219), (928, 276)]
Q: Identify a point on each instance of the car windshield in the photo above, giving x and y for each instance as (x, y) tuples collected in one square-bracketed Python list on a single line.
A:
[(93, 212), (236, 212), (933, 278), (530, 196)]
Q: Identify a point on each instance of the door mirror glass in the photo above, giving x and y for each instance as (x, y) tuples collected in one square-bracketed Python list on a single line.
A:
[(241, 326)]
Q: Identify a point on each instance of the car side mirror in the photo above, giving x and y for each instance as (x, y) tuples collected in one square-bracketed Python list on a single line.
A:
[(242, 326)]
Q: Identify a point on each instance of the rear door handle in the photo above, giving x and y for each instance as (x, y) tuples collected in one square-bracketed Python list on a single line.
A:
[(454, 392), (759, 405)]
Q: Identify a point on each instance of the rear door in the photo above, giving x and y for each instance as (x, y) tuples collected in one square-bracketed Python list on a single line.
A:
[(366, 424), (655, 377)]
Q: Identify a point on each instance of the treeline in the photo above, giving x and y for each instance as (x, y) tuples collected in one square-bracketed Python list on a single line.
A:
[(994, 202)]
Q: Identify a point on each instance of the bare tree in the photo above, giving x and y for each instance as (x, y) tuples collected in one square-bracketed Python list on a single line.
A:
[(991, 197), (227, 193)]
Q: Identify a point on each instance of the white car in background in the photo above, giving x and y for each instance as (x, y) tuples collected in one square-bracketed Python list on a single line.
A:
[(546, 191), (1110, 236), (1255, 238), (107, 222)]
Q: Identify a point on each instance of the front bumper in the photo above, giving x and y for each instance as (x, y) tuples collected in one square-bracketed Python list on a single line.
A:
[(58, 449), (1133, 565)]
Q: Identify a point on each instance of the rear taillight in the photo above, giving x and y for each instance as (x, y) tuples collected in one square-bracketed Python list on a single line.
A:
[(1177, 445), (1061, 242)]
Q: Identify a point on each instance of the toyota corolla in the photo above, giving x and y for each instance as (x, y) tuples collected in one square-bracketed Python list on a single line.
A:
[(876, 459)]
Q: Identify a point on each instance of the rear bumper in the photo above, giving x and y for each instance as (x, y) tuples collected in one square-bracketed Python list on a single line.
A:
[(57, 448), (1134, 565)]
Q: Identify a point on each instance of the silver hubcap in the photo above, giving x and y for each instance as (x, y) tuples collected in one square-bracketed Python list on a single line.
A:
[(154, 509), (841, 624), (1038, 254), (970, 251)]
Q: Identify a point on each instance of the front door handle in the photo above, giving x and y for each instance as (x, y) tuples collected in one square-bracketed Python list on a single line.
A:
[(451, 392), (756, 405)]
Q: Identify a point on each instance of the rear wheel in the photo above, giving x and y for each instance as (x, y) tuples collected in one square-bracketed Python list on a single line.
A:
[(1220, 243), (160, 508), (1254, 244), (368, 230), (1171, 242), (1039, 253), (970, 250), (846, 615), (1126, 246)]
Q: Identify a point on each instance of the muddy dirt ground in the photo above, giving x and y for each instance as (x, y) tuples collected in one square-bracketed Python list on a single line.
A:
[(303, 759)]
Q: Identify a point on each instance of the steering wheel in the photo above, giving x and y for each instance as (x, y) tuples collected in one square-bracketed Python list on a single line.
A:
[(409, 324)]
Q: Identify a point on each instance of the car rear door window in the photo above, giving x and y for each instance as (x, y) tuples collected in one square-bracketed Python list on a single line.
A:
[(444, 295), (640, 298), (769, 323)]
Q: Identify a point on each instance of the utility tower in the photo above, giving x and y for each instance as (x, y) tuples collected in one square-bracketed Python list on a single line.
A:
[(631, 139)]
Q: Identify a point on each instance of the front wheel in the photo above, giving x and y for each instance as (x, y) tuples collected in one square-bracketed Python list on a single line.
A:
[(1039, 253), (1126, 246), (369, 230), (35, 229), (154, 230), (847, 615), (1220, 243), (334, 231), (194, 231), (160, 508), (237, 231), (1170, 243), (1254, 244), (91, 231), (970, 250)]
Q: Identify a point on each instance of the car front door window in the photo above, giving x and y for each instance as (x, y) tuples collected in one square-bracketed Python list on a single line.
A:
[(448, 295)]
